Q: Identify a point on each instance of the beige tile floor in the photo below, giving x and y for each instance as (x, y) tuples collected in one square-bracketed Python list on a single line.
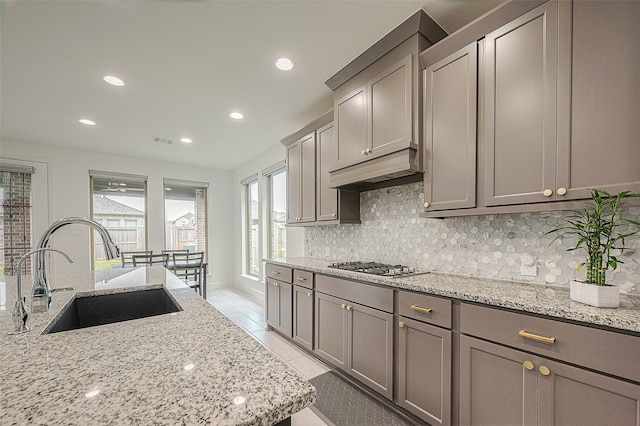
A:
[(249, 315)]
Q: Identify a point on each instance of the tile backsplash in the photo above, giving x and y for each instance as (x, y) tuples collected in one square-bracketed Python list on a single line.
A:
[(491, 246)]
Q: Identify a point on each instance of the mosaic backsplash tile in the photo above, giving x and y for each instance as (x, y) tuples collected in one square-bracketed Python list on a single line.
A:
[(491, 246)]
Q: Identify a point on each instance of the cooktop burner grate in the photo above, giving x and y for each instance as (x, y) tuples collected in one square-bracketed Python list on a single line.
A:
[(376, 268)]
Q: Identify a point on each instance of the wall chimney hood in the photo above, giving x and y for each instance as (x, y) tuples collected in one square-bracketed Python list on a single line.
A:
[(378, 109)]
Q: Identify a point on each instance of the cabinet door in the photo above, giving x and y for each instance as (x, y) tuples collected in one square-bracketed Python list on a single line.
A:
[(285, 308), (424, 369), (303, 316), (308, 179), (599, 97), (294, 170), (520, 72), (450, 131), (350, 114), (327, 203), (496, 386), (331, 329), (572, 396), (389, 109), (273, 303), (370, 351)]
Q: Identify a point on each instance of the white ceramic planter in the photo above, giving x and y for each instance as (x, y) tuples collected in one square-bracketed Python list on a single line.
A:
[(607, 296)]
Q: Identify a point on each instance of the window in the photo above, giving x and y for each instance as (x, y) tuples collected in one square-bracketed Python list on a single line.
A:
[(118, 202), (15, 217), (185, 212), (252, 236), (277, 210)]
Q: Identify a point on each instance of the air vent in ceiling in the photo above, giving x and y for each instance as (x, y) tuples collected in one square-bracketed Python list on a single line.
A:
[(162, 140)]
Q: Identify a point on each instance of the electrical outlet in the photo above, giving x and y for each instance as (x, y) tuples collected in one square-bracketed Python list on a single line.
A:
[(528, 267)]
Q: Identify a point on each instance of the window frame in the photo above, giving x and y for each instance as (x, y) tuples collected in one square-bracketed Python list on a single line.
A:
[(276, 169), (246, 240)]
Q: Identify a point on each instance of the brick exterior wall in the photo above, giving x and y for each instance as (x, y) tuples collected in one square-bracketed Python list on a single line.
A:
[(15, 219), (201, 220)]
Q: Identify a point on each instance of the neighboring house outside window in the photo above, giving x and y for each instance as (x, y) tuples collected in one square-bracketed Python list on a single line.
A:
[(185, 211)]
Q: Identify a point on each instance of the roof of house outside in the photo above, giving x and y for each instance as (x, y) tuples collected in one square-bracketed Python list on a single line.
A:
[(107, 206)]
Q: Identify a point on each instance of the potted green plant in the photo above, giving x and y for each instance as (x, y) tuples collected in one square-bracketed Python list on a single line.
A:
[(600, 228)]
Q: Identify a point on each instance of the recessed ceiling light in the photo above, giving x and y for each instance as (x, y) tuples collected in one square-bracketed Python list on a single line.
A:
[(114, 81), (284, 64), (185, 140), (87, 122), (236, 116)]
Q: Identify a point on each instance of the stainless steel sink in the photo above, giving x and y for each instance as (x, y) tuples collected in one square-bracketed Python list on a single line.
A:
[(91, 310)]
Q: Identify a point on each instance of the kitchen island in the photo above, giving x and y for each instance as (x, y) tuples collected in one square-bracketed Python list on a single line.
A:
[(190, 367)]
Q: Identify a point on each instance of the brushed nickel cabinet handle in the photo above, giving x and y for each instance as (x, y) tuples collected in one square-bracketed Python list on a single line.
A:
[(420, 309), (343, 306), (547, 340), (561, 191), (528, 365), (544, 370), (275, 272), (363, 152), (309, 294), (402, 324), (349, 307), (301, 279), (426, 205), (547, 192)]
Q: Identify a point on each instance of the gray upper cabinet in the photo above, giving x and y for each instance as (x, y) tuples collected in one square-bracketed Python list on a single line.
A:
[(519, 70), (375, 119), (450, 131), (301, 186), (310, 200), (327, 201), (599, 97)]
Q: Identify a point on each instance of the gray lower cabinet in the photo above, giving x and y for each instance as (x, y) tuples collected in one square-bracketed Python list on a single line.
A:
[(357, 339), (500, 386), (279, 306), (303, 316), (424, 370)]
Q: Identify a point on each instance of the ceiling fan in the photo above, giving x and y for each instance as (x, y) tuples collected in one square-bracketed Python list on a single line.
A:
[(113, 186)]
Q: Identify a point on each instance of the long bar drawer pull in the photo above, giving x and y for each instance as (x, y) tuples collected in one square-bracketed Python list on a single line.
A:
[(301, 279), (419, 309), (547, 340)]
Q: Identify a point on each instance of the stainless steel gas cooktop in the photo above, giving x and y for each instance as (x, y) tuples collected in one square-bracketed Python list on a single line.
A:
[(376, 268)]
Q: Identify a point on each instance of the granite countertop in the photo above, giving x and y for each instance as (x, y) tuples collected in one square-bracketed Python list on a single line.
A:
[(552, 301), (191, 367)]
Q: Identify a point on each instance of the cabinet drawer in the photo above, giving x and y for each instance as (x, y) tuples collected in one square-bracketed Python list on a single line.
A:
[(364, 294), (414, 305), (601, 350), (280, 273), (303, 278)]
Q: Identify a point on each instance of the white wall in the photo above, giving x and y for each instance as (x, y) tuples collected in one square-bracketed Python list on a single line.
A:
[(295, 236), (69, 192)]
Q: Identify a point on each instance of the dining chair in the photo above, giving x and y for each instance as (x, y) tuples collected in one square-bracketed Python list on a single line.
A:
[(190, 268), (151, 259), (126, 257)]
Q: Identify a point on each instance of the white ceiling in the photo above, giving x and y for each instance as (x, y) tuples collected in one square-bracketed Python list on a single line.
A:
[(186, 65)]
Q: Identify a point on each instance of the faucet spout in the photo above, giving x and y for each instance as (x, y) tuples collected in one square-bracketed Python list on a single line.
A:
[(41, 286), (20, 312)]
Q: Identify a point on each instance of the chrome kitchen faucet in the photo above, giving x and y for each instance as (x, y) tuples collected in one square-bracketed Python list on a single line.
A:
[(41, 291)]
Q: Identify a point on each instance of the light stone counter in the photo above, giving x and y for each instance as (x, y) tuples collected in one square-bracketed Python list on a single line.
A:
[(191, 367), (546, 300)]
